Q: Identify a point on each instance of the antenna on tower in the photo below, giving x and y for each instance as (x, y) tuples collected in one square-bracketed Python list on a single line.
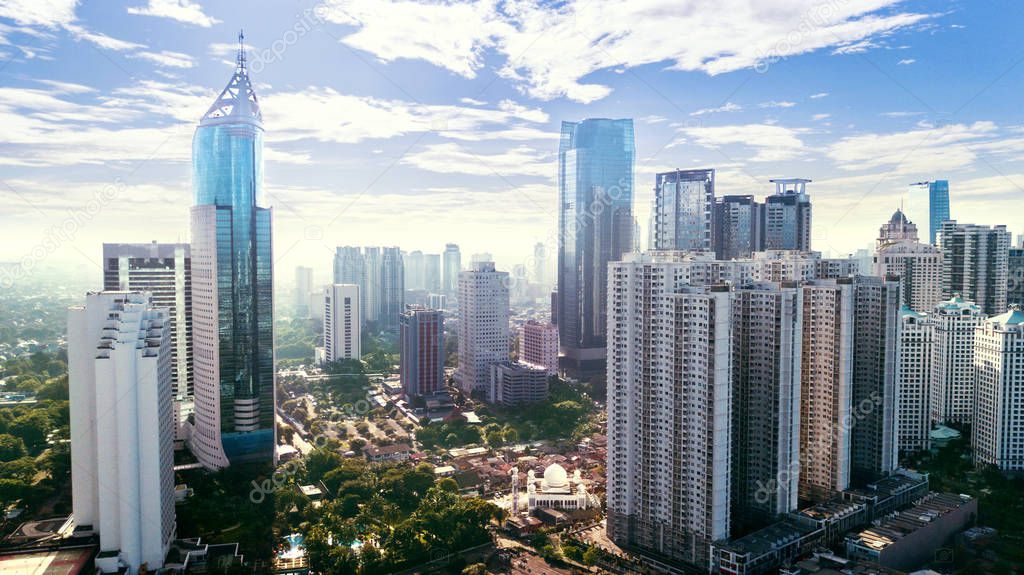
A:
[(241, 49)]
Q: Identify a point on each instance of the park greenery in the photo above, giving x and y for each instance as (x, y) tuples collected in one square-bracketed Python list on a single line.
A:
[(34, 451), (377, 518), (569, 413)]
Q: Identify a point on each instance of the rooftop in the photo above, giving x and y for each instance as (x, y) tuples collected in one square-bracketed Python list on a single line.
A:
[(891, 530)]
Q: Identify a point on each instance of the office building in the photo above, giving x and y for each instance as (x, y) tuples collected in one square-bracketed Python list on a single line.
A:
[(165, 272), (540, 264), (432, 272), (232, 283), (342, 332), (766, 345), (380, 275), (514, 384), (913, 383), (876, 324), (421, 337), (538, 345), (483, 325), (481, 257), (952, 380), (437, 301), (787, 216), (350, 268), (595, 226), (684, 201), (938, 207), (998, 431), (392, 288), (737, 227), (414, 270), (303, 289), (122, 427), (918, 265), (451, 260), (669, 410), (975, 264)]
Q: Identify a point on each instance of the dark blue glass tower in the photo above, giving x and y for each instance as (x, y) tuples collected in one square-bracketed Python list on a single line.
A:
[(595, 186), (938, 207), (233, 282)]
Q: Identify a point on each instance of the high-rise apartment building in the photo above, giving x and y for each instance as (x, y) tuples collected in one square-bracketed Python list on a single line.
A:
[(421, 336), (451, 261), (303, 289), (952, 380), (122, 427), (540, 264), (787, 216), (684, 201), (918, 265), (595, 226), (913, 383), (483, 325), (669, 410), (1015, 274), (766, 345), (998, 431), (380, 275), (232, 283), (975, 264), (737, 227), (876, 324), (165, 272), (538, 345), (826, 388), (342, 332)]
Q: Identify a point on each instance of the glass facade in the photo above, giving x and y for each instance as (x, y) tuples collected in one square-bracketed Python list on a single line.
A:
[(938, 207), (227, 155), (596, 160), (683, 204)]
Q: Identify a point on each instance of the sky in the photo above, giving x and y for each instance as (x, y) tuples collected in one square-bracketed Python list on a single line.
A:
[(417, 123)]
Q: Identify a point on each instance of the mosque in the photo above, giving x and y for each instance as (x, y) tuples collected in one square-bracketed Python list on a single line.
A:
[(554, 491)]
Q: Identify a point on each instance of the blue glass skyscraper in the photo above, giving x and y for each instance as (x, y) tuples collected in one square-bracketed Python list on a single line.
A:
[(232, 303), (596, 160), (938, 207)]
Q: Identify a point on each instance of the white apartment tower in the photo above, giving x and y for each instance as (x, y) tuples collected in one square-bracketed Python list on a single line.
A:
[(913, 384), (342, 332), (952, 381), (826, 388), (669, 409), (918, 265), (122, 427), (483, 325), (998, 432), (766, 335)]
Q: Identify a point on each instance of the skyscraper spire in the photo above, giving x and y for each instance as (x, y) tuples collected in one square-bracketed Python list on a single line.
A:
[(240, 59)]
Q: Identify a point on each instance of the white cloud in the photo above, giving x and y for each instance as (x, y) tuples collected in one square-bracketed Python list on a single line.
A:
[(167, 58), (776, 104), (923, 150), (771, 143), (455, 159), (101, 40), (472, 102), (906, 62), (727, 107), (653, 119), (819, 117), (549, 49), (819, 95), (180, 10), (46, 13)]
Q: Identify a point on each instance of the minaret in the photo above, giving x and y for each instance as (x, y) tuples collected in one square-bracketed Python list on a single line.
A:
[(232, 281)]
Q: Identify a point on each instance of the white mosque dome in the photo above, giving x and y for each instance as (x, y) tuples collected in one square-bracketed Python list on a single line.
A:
[(555, 477)]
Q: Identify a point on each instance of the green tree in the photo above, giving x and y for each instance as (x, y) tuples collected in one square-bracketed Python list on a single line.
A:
[(11, 447)]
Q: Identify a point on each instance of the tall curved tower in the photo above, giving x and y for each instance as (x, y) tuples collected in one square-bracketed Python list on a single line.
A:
[(232, 303)]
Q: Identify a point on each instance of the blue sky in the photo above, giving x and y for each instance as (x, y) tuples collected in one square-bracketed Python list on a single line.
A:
[(419, 123)]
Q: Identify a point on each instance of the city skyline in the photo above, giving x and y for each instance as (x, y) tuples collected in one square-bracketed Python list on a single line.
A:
[(472, 136)]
